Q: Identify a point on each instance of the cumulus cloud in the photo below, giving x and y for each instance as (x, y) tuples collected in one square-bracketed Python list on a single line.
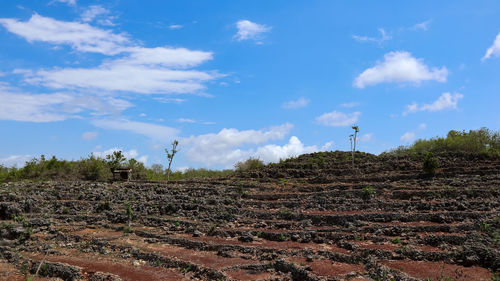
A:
[(230, 146), (15, 160), (155, 132), (383, 37), (273, 153), (445, 101), (400, 67), (127, 154), (19, 106), (248, 30), (294, 104), (408, 137), (89, 135), (80, 36), (224, 147), (338, 119), (494, 50), (411, 135)]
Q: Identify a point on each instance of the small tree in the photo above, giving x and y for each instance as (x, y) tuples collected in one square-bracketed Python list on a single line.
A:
[(115, 160), (170, 156), (353, 141), (430, 164), (129, 212)]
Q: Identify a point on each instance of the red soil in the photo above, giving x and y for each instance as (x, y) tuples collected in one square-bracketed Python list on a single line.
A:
[(91, 263), (440, 270), (328, 267)]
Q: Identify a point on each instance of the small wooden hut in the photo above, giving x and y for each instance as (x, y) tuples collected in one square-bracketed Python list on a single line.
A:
[(122, 174)]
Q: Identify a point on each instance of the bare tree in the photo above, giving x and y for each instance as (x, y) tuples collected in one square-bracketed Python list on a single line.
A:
[(170, 156), (353, 139)]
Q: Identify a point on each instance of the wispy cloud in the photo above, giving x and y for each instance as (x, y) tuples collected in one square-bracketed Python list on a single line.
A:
[(19, 106), (493, 50), (338, 119), (445, 101), (155, 132), (89, 135), (379, 40), (160, 70), (295, 104), (400, 67), (248, 30), (80, 36), (68, 2), (175, 26), (349, 104), (422, 26)]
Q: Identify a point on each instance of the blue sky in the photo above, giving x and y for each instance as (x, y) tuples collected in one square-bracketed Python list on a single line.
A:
[(237, 79)]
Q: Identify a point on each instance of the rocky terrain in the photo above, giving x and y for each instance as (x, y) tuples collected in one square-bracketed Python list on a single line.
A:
[(311, 218)]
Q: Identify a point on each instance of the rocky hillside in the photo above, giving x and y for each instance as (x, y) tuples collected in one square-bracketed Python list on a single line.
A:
[(309, 218)]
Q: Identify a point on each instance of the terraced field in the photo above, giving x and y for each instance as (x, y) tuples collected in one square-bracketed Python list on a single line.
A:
[(302, 220)]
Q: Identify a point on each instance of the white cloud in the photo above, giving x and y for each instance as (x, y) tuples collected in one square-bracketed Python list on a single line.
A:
[(365, 138), (445, 101), (350, 104), (140, 79), (175, 26), (383, 37), (248, 30), (92, 12), (155, 132), (408, 137), (165, 56), (127, 154), (160, 70), (170, 100), (80, 36), (294, 104), (494, 50), (224, 147), (422, 26), (230, 146), (273, 153), (400, 67), (327, 146), (89, 135), (15, 160), (186, 120), (338, 119), (68, 2), (19, 106)]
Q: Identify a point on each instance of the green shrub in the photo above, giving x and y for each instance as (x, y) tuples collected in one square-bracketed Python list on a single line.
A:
[(367, 191), (430, 164), (251, 164)]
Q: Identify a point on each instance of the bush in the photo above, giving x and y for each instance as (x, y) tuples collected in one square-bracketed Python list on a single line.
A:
[(482, 141), (96, 169), (252, 164), (430, 164)]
